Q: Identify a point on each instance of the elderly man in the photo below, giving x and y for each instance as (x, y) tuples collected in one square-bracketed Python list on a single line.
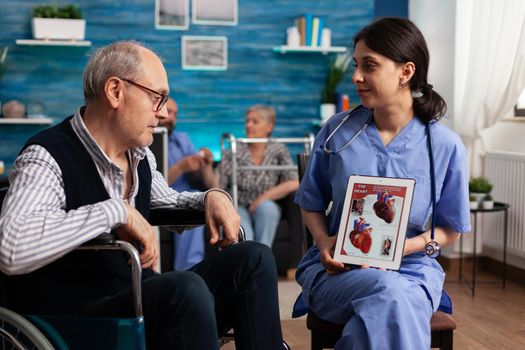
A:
[(93, 173)]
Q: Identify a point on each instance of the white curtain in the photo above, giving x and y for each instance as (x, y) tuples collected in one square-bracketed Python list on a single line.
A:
[(489, 70)]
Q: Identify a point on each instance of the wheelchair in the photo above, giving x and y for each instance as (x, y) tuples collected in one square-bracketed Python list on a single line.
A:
[(54, 332)]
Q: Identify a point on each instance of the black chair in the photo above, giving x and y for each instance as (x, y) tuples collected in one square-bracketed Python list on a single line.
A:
[(325, 334), (288, 246)]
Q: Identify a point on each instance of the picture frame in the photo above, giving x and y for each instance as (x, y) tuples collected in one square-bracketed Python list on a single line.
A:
[(215, 12), (204, 52), (374, 221), (172, 14)]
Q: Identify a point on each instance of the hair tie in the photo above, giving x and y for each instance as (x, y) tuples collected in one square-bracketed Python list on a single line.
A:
[(426, 88)]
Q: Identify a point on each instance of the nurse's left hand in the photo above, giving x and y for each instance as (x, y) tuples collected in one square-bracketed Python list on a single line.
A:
[(326, 247), (414, 244), (366, 266)]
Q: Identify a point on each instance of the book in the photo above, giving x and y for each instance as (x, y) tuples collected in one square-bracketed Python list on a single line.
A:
[(308, 17), (315, 32), (374, 221), (302, 27), (343, 102), (320, 31)]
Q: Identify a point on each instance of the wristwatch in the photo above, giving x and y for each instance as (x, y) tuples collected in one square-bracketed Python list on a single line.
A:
[(433, 249)]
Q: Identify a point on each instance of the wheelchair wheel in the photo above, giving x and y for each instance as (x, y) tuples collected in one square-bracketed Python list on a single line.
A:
[(18, 333)]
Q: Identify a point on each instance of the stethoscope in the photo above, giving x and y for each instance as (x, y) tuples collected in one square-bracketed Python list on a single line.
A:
[(432, 248)]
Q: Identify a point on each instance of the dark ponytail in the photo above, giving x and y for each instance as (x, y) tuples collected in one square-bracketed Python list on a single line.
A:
[(430, 105), (401, 41)]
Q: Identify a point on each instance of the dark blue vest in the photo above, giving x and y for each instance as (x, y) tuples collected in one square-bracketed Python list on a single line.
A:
[(79, 277)]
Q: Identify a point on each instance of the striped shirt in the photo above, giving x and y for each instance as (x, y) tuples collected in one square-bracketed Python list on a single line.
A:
[(252, 183), (35, 229)]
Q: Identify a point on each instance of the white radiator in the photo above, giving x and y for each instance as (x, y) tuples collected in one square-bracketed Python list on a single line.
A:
[(507, 172)]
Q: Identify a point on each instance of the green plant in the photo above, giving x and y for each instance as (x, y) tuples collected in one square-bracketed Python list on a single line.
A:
[(336, 71), (52, 11), (488, 197), (479, 185), (472, 198)]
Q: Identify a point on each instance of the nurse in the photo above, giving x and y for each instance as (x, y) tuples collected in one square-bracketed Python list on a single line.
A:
[(384, 309)]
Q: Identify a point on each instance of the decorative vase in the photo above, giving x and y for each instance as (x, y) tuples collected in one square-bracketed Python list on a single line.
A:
[(485, 204), (326, 111), (13, 109), (474, 205), (58, 28), (478, 196)]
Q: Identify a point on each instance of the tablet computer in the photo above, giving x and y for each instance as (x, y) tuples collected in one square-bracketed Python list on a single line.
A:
[(374, 221)]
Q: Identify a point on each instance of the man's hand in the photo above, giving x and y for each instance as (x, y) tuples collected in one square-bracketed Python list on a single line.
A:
[(192, 163), (220, 212), (137, 229), (206, 155)]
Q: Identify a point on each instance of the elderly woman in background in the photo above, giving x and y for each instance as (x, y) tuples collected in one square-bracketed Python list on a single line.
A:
[(259, 189)]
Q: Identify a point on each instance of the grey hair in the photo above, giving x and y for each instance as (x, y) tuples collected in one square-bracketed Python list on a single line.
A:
[(121, 59), (266, 112)]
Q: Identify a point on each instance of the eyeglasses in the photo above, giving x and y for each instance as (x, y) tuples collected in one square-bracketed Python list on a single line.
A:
[(163, 97)]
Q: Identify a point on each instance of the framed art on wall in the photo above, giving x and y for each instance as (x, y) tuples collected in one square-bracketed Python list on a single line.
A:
[(172, 14), (204, 52), (214, 12)]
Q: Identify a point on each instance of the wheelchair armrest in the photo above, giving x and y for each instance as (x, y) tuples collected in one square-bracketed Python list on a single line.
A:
[(105, 238), (107, 241), (176, 217), (182, 217)]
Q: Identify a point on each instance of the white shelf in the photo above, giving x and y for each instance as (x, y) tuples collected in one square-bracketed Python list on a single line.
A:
[(42, 121), (309, 49), (35, 42)]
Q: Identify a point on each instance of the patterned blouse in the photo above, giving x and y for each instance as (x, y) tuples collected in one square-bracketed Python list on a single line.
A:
[(252, 183)]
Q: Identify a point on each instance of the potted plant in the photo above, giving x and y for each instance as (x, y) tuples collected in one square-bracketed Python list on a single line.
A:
[(58, 23), (474, 204), (479, 187), (336, 71), (488, 202)]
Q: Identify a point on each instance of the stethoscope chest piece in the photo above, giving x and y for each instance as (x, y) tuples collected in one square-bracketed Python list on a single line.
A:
[(433, 249)]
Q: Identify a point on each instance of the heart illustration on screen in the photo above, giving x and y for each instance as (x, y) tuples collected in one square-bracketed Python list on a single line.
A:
[(384, 206), (360, 237)]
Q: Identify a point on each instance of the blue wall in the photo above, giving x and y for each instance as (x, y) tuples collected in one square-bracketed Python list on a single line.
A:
[(391, 8), (210, 102)]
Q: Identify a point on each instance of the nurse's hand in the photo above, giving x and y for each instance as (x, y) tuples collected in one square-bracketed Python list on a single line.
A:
[(366, 266), (414, 244), (326, 247)]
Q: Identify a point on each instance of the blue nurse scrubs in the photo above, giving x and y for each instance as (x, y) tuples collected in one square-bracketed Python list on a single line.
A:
[(382, 309), (189, 245)]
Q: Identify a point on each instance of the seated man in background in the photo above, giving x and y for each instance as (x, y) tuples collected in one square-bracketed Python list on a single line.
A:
[(188, 171), (93, 173)]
